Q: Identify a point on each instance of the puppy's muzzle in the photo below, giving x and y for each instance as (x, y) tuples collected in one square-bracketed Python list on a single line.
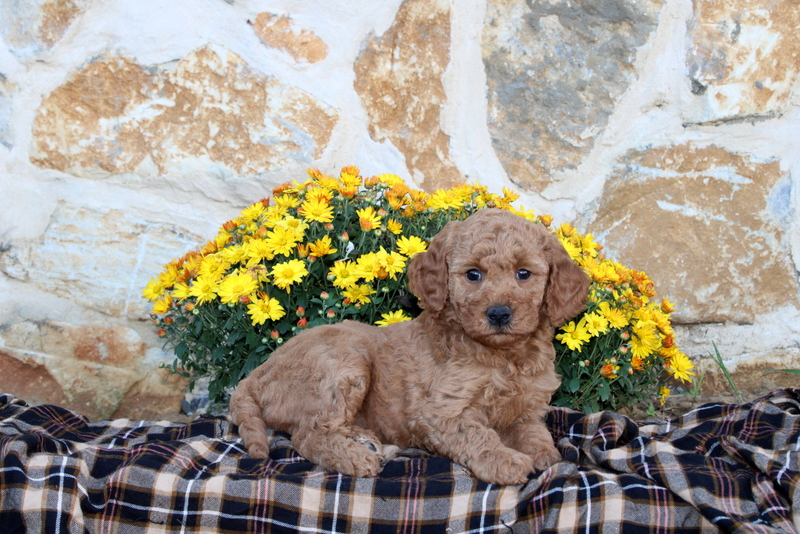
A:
[(499, 316)]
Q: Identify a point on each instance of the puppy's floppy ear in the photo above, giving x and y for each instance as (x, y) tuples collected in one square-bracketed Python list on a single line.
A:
[(427, 272), (567, 286)]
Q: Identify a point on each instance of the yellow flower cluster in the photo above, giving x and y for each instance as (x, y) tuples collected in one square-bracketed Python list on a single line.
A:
[(621, 298)]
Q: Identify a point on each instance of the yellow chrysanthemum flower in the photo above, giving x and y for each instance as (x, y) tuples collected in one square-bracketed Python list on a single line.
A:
[(644, 339), (391, 262), (169, 276), (233, 254), (204, 289), (680, 367), (390, 179), (213, 267), (329, 183), (393, 317), (162, 305), (522, 212), (394, 226), (603, 272), (596, 324), (317, 210), (263, 308), (322, 247), (349, 177), (275, 214), (444, 199), (368, 218), (359, 293), (293, 223), (368, 267), (257, 250), (254, 212), (616, 318), (285, 274), (574, 335), (589, 246), (222, 239), (344, 274), (509, 196), (154, 289), (282, 240), (182, 291), (573, 251), (234, 286), (286, 201), (411, 245)]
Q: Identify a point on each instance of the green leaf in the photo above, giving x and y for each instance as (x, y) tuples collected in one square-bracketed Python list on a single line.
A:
[(604, 391), (573, 384)]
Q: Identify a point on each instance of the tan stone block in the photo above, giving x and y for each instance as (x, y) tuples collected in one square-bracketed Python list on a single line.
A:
[(101, 259), (113, 345), (116, 116), (90, 369), (555, 71), (30, 381), (399, 79), (702, 223), (30, 27), (743, 59), (158, 393), (91, 389), (278, 32)]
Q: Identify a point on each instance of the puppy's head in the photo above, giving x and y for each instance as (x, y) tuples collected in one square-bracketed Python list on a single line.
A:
[(499, 275)]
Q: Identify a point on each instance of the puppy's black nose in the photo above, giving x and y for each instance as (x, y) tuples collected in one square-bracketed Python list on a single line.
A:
[(499, 315)]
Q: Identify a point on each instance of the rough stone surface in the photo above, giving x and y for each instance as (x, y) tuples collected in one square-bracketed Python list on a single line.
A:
[(705, 223), (92, 369), (117, 116), (5, 112), (32, 27), (743, 59), (278, 32), (399, 80), (159, 392), (100, 258), (555, 71)]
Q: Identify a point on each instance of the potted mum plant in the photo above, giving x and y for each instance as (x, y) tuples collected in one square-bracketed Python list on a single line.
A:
[(334, 248)]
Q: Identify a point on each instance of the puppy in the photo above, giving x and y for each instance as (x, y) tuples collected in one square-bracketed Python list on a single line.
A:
[(470, 378)]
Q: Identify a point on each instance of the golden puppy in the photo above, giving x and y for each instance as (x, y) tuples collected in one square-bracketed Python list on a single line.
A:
[(470, 378)]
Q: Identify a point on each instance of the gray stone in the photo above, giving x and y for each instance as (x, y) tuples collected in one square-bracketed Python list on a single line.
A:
[(555, 70)]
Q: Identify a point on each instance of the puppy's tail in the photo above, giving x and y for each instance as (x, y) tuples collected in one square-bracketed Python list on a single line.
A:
[(246, 414)]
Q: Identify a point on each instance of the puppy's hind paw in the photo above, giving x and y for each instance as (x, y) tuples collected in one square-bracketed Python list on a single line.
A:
[(384, 452), (258, 450), (545, 457)]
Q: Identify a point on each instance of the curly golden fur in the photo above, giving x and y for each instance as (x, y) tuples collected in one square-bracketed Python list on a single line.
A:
[(470, 378)]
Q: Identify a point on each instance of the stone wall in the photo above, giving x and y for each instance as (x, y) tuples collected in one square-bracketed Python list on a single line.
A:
[(129, 131)]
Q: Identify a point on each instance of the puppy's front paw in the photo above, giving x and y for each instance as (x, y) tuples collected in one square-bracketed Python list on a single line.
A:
[(357, 463), (258, 450), (504, 467), (546, 456)]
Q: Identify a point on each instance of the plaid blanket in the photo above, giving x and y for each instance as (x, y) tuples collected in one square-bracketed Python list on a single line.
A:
[(720, 467)]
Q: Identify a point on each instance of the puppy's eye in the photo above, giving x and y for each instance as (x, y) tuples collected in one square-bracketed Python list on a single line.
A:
[(523, 274), (474, 275)]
